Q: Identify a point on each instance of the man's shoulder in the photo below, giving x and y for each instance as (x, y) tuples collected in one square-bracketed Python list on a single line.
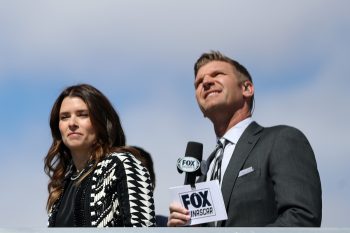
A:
[(282, 129), (282, 132)]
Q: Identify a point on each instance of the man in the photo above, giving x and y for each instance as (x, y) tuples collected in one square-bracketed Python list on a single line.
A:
[(268, 176)]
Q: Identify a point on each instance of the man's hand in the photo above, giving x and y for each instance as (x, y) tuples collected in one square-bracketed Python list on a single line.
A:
[(179, 216)]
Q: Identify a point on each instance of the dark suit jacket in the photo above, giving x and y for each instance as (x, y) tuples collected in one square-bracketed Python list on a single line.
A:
[(283, 190)]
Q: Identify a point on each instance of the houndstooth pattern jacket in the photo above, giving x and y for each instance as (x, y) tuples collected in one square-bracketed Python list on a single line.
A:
[(118, 193)]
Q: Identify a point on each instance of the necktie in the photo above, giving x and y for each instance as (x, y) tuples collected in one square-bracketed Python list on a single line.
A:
[(219, 153)]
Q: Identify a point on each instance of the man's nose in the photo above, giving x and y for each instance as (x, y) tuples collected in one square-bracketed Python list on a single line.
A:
[(207, 82)]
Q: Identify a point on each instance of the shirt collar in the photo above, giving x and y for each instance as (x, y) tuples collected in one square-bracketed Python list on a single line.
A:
[(233, 134)]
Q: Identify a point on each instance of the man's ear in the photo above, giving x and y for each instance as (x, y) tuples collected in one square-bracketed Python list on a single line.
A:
[(248, 88)]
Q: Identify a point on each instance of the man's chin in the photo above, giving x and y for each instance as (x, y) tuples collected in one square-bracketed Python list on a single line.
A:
[(211, 111)]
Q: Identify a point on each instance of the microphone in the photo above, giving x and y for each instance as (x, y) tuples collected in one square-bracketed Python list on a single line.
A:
[(191, 163)]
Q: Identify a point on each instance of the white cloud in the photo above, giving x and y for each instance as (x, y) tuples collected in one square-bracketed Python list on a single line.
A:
[(23, 183), (320, 110), (89, 38)]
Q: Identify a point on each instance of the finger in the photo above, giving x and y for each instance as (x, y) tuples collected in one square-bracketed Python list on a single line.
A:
[(177, 222), (174, 207)]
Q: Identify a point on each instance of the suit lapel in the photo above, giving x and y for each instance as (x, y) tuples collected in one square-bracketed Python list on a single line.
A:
[(244, 145)]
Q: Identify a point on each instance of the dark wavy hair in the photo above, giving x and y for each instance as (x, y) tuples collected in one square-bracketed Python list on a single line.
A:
[(109, 137)]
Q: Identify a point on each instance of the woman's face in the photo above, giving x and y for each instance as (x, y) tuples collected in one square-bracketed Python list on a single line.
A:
[(75, 126)]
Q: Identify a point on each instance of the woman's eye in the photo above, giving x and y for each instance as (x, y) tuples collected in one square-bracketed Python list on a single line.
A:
[(83, 114), (64, 117)]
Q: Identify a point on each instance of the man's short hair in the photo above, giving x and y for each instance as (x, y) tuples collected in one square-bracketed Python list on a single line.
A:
[(242, 72)]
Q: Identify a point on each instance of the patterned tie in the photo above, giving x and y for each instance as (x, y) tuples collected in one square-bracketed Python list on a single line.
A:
[(219, 153)]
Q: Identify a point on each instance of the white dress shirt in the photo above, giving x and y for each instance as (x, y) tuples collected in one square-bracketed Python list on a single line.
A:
[(232, 136)]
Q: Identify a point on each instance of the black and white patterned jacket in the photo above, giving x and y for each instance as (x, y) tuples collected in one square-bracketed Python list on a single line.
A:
[(118, 193)]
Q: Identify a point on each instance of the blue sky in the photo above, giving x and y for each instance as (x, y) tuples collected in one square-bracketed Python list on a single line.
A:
[(141, 55)]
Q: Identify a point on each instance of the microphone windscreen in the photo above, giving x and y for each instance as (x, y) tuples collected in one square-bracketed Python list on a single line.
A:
[(195, 150)]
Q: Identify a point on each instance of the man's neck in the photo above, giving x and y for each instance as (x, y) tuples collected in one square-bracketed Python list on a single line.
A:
[(222, 124)]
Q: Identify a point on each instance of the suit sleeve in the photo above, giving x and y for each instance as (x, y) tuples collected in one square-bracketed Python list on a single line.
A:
[(296, 180)]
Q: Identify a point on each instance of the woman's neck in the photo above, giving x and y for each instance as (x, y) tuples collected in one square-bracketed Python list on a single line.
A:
[(80, 159)]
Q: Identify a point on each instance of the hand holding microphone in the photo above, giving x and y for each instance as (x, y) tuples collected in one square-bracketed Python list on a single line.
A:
[(195, 203), (191, 165)]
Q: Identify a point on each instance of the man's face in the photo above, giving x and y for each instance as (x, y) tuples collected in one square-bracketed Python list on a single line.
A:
[(218, 88)]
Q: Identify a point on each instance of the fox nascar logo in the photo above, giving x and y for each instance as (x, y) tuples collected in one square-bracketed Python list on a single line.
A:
[(188, 164), (199, 203)]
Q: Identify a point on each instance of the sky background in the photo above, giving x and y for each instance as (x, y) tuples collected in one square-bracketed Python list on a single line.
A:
[(140, 54)]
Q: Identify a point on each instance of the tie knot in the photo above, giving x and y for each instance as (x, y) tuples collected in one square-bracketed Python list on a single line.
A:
[(221, 142)]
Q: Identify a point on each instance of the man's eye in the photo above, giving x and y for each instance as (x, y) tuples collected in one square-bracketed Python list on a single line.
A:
[(218, 74), (198, 82)]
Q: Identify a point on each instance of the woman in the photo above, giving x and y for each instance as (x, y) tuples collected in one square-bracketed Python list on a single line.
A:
[(95, 180)]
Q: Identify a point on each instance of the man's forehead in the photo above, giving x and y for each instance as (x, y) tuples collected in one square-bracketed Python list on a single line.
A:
[(214, 66)]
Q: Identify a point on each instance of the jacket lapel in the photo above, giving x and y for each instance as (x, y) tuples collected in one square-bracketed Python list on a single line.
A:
[(244, 145)]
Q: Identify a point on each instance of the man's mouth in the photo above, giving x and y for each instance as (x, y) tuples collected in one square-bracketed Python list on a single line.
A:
[(212, 93)]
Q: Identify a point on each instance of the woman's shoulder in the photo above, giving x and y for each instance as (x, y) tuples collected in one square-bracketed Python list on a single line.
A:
[(119, 164), (125, 159), (122, 157)]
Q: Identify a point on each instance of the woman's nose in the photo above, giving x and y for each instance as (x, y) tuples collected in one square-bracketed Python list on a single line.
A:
[(73, 123)]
